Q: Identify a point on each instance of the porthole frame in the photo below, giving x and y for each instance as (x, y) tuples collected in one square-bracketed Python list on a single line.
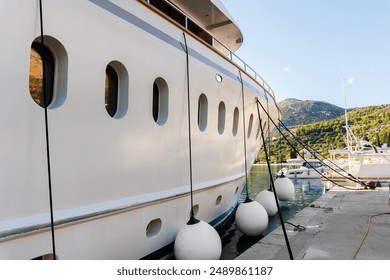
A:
[(218, 78), (153, 228)]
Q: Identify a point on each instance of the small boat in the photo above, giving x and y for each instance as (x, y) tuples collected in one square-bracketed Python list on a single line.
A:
[(307, 169), (360, 158), (367, 163)]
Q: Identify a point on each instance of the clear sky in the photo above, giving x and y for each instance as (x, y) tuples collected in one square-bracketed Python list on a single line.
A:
[(299, 47)]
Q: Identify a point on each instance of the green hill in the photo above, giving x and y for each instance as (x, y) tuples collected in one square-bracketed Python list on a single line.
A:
[(370, 123), (299, 112)]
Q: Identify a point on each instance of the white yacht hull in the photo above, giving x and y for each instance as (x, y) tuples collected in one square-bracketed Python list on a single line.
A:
[(120, 185)]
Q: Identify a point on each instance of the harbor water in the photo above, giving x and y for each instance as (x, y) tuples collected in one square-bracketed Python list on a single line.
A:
[(306, 191)]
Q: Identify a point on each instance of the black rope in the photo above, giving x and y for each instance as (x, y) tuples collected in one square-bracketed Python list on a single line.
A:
[(280, 149), (297, 227), (295, 149), (268, 138), (268, 124), (273, 184), (192, 220), (327, 209), (44, 92), (243, 121), (351, 177)]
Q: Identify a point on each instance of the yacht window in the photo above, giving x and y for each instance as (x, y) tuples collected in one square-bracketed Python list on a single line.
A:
[(236, 116), (160, 101), (264, 128), (169, 11), (250, 125), (221, 117), (116, 90), (174, 13), (111, 91), (198, 31), (202, 112), (41, 57)]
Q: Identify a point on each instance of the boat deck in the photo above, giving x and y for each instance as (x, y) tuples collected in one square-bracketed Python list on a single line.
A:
[(340, 225)]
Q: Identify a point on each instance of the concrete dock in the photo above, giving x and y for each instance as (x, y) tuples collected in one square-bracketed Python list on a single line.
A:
[(340, 225)]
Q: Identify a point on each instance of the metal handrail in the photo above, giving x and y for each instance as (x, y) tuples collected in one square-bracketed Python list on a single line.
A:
[(231, 56), (245, 67)]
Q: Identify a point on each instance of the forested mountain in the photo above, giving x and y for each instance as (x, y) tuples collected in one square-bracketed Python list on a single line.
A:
[(370, 123), (298, 112)]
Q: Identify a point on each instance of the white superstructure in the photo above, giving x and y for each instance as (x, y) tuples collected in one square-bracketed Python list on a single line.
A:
[(118, 127)]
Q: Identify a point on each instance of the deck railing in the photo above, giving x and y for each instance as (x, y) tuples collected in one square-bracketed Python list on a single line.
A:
[(177, 15)]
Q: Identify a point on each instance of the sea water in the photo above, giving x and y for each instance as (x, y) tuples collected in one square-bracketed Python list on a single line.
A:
[(306, 191)]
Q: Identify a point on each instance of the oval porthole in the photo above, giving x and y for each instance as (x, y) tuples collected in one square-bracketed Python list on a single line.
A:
[(153, 228), (160, 101), (218, 200), (52, 59), (221, 117), (218, 78), (250, 125), (111, 91), (236, 116), (264, 127), (116, 90), (41, 58), (202, 112)]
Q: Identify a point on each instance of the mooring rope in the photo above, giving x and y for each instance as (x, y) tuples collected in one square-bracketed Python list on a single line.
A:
[(273, 184), (295, 149), (349, 177), (244, 132), (192, 220), (44, 93), (366, 233), (297, 227)]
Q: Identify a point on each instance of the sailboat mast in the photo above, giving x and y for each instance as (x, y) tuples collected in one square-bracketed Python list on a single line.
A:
[(345, 106), (349, 140)]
